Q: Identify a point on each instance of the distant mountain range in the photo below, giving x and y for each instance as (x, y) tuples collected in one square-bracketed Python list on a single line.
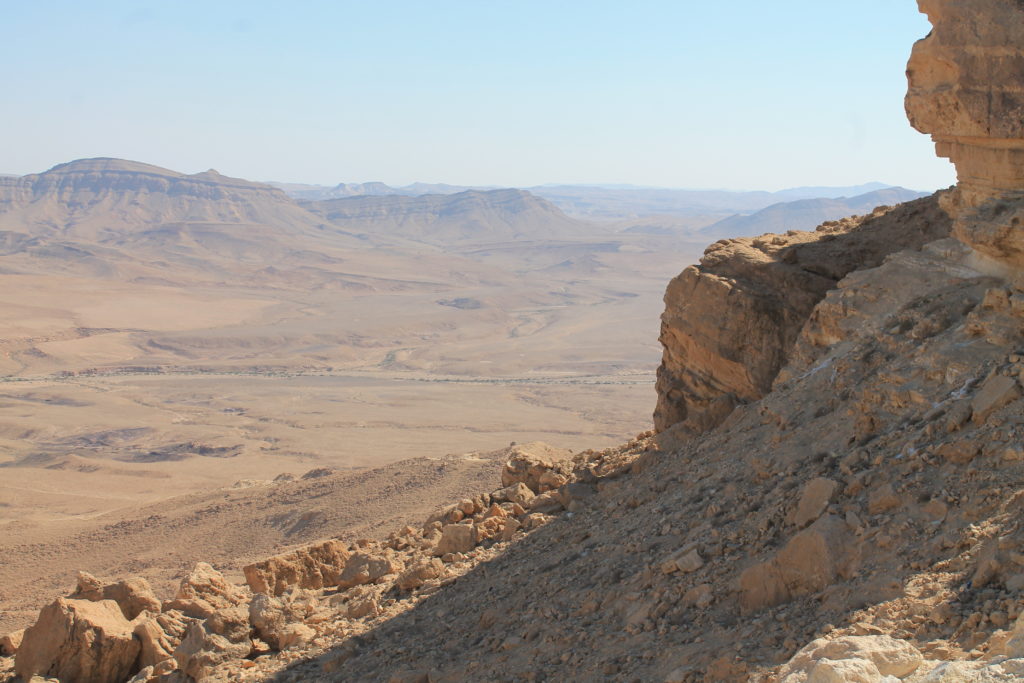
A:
[(611, 202), (806, 214)]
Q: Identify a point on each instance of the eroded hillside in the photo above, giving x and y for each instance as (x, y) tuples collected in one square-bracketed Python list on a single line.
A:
[(853, 516)]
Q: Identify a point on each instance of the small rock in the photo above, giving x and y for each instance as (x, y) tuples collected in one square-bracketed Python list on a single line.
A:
[(996, 392), (420, 573), (10, 643), (549, 503), (686, 560), (883, 499), (814, 500)]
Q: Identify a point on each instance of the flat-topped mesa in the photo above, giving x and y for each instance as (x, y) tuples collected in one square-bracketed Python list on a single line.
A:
[(966, 89)]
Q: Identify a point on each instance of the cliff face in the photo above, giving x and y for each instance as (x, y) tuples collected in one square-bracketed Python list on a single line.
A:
[(730, 322), (966, 88)]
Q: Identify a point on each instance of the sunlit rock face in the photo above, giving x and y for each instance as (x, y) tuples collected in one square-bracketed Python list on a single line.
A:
[(966, 89)]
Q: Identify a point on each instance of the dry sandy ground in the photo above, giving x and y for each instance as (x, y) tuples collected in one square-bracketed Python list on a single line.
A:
[(158, 346), (227, 527)]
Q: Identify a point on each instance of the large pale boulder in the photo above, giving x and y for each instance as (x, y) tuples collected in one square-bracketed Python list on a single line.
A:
[(78, 640), (858, 657), (316, 566), (421, 572)]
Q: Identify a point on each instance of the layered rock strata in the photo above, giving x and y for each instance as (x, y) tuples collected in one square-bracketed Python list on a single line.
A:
[(966, 89), (730, 321)]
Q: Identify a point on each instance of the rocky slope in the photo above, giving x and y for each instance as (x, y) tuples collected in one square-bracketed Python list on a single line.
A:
[(768, 285), (861, 521)]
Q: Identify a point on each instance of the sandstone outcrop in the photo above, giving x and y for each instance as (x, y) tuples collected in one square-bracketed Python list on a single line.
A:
[(731, 321), (965, 90), (78, 640), (204, 591), (133, 595), (315, 566)]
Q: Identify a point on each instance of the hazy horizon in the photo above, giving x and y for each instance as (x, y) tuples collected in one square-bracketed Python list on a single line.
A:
[(659, 94), (607, 185)]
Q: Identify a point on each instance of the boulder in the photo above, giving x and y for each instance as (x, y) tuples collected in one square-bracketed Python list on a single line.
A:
[(363, 568), (133, 595), (272, 618), (812, 560), (963, 90), (202, 650), (685, 560), (418, 574), (518, 493), (530, 463), (204, 591), (456, 538), (888, 656), (159, 636), (995, 393), (548, 503), (316, 566), (10, 643), (78, 640), (814, 500), (844, 671)]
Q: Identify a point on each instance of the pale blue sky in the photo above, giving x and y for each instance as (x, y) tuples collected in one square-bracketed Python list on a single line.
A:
[(742, 95)]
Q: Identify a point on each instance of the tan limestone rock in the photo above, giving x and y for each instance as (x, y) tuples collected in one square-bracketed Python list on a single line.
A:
[(731, 321), (202, 650), (995, 393), (518, 493), (159, 636), (204, 591), (530, 463), (316, 566), (10, 643), (815, 558), (964, 90), (273, 620), (78, 640), (888, 656), (363, 568), (456, 538), (814, 499), (418, 574), (133, 595)]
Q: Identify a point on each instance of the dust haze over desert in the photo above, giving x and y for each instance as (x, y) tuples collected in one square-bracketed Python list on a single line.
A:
[(492, 325)]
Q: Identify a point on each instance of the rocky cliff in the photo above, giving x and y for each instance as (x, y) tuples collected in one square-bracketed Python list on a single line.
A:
[(730, 321), (966, 88), (860, 522)]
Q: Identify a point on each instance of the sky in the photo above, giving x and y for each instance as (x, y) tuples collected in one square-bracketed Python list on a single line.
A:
[(669, 93)]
